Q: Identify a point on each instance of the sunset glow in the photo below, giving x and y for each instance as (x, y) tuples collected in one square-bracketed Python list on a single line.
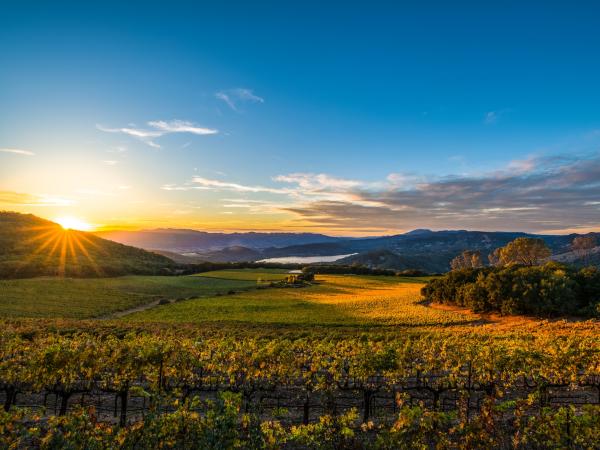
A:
[(73, 223), (275, 128)]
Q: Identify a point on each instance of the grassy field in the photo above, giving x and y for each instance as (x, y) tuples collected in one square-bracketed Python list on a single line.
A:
[(88, 298), (247, 274), (335, 300)]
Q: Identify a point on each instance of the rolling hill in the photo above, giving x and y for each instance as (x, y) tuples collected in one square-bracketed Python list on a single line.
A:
[(31, 246)]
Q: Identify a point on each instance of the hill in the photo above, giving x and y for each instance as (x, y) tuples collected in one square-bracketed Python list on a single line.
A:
[(386, 259), (31, 246), (187, 241)]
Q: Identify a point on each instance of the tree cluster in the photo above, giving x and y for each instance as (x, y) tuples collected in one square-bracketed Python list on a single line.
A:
[(549, 290)]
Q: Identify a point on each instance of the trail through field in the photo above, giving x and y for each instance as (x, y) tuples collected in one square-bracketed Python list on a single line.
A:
[(139, 308)]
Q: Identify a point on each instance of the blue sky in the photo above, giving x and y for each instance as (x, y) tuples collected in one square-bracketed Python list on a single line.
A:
[(346, 118)]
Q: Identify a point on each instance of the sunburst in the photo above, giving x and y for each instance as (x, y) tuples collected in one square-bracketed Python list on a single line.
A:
[(64, 246), (73, 223)]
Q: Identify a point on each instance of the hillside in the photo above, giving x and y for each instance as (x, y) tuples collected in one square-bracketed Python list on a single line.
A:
[(187, 241), (386, 259), (31, 246)]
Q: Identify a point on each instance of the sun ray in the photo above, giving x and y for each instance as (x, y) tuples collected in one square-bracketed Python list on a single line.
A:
[(59, 238), (92, 243), (71, 250), (39, 237), (50, 239), (63, 257), (68, 250), (87, 255)]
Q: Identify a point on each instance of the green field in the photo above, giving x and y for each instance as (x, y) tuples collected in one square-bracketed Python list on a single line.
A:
[(335, 300), (255, 275), (88, 298)]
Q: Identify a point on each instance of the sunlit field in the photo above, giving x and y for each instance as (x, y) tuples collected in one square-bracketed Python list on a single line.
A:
[(335, 300), (248, 274)]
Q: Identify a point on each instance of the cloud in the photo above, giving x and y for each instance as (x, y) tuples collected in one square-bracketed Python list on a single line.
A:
[(23, 199), (159, 128), (492, 117), (254, 206), (237, 96), (17, 151), (552, 193), (180, 126), (110, 162), (206, 183), (535, 194)]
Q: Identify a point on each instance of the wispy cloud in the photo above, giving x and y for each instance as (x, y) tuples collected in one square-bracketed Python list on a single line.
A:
[(17, 151), (547, 193), (492, 117), (218, 185), (536, 194), (158, 128), (180, 126), (237, 96), (23, 199), (110, 162)]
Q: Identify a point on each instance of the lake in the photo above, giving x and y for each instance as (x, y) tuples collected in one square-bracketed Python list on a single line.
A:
[(305, 259)]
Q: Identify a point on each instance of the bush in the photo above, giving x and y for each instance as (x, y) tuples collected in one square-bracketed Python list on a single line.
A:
[(549, 290)]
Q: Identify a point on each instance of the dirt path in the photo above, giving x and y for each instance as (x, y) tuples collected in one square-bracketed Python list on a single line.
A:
[(126, 312)]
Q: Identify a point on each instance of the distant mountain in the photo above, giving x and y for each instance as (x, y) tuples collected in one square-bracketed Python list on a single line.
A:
[(418, 231), (420, 249), (423, 249), (31, 246), (188, 241), (189, 258), (237, 253)]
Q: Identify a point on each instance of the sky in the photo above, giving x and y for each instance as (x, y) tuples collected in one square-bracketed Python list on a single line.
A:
[(347, 118)]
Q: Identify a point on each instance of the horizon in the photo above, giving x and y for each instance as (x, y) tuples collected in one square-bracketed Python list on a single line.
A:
[(69, 223), (302, 118)]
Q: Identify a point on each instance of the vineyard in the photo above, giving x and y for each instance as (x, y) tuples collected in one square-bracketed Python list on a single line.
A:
[(374, 368)]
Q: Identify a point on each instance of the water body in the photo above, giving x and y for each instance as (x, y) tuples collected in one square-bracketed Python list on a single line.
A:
[(305, 259)]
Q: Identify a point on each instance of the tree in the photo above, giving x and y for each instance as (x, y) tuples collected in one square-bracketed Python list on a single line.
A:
[(468, 259), (494, 257), (526, 251), (582, 246)]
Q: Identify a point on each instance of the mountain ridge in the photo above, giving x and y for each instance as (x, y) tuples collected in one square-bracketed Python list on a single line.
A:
[(428, 250)]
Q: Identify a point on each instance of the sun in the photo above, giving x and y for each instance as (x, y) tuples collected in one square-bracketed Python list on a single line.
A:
[(73, 223)]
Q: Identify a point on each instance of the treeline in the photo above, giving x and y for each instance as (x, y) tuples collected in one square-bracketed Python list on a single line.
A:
[(189, 269), (314, 269), (552, 289), (333, 269)]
